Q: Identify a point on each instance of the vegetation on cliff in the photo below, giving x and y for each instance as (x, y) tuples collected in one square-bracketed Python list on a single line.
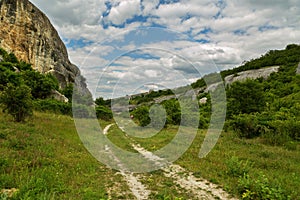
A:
[(23, 88)]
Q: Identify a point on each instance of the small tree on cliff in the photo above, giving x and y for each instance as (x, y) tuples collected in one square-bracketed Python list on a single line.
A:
[(17, 101)]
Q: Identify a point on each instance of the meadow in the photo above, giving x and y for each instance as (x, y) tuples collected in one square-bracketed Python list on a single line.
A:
[(45, 159)]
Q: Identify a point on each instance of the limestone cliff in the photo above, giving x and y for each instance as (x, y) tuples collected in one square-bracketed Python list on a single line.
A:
[(28, 33)]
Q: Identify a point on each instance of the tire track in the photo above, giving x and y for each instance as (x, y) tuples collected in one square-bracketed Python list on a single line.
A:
[(133, 180), (199, 187)]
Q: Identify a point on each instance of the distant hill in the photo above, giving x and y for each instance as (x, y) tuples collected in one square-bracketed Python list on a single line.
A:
[(262, 95), (261, 67)]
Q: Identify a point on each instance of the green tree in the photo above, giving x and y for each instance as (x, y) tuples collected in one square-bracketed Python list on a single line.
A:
[(173, 111), (245, 97), (40, 84), (100, 101), (142, 115), (104, 113), (17, 101)]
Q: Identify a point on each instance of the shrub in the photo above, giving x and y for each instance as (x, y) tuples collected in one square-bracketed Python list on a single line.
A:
[(157, 115), (53, 105), (104, 113), (17, 101), (259, 188), (246, 126), (82, 111), (173, 111), (41, 85), (237, 167), (282, 131), (68, 91), (100, 101), (141, 114), (245, 97), (203, 122)]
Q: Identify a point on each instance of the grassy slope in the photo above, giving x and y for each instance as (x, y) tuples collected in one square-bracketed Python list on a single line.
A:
[(44, 158), (280, 165)]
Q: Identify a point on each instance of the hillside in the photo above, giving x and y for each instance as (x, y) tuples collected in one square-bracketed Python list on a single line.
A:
[(262, 118), (45, 159), (256, 157)]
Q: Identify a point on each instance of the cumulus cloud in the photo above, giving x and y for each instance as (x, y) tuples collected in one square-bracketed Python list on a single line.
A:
[(212, 35), (124, 10)]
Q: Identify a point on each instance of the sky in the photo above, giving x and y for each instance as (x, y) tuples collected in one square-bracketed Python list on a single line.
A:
[(131, 46)]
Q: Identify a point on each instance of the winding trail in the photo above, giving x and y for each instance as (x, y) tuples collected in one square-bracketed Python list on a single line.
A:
[(105, 130), (199, 187), (133, 180)]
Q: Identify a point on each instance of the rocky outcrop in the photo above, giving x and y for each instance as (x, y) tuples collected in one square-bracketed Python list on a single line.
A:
[(58, 96), (242, 76), (28, 33), (298, 69), (251, 74)]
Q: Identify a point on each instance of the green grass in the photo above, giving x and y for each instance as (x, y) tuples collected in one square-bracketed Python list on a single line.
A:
[(44, 159), (280, 165), (232, 157)]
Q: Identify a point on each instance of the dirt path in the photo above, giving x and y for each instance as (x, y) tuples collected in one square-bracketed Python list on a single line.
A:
[(133, 180), (200, 188)]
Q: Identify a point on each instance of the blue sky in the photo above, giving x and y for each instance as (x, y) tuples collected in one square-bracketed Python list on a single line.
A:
[(131, 46)]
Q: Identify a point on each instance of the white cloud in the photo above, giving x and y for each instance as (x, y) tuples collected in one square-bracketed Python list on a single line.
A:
[(235, 31), (124, 10), (74, 12), (149, 6), (182, 9)]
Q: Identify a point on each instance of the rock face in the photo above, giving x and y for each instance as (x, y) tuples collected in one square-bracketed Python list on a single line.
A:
[(298, 69), (251, 74), (242, 76), (28, 33)]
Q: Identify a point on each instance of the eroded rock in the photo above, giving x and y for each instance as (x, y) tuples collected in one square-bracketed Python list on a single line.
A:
[(28, 33)]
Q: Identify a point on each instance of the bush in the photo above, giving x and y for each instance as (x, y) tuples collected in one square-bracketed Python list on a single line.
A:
[(246, 126), (141, 114), (203, 122), (173, 111), (237, 167), (7, 76), (282, 131), (68, 91), (104, 113), (100, 101), (17, 101), (82, 111), (53, 105), (259, 188), (41, 85), (245, 97)]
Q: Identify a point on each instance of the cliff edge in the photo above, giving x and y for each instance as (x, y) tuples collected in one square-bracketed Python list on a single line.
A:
[(28, 33)]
